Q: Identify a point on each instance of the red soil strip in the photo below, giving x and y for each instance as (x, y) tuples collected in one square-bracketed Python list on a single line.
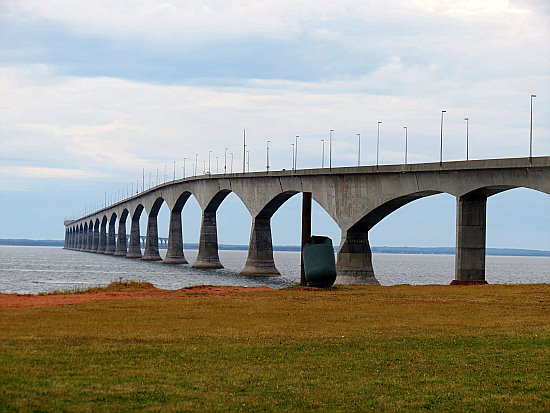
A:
[(36, 301)]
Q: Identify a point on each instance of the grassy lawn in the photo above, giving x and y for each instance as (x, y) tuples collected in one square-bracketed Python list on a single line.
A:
[(388, 349)]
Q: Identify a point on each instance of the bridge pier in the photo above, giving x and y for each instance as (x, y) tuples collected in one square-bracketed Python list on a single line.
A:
[(95, 239), (152, 241), (90, 237), (208, 245), (174, 254), (260, 251), (471, 222), (84, 239), (354, 260), (121, 247), (111, 240), (134, 248), (102, 237)]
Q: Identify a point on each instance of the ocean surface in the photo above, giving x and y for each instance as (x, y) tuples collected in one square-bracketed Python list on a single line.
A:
[(36, 269)]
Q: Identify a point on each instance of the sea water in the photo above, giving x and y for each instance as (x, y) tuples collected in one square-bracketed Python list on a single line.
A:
[(36, 269)]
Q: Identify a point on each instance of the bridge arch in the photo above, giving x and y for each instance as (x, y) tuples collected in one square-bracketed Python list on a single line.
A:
[(151, 252), (174, 253), (134, 246), (208, 255), (121, 242)]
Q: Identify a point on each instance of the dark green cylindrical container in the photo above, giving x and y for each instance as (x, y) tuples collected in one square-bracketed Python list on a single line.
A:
[(319, 263)]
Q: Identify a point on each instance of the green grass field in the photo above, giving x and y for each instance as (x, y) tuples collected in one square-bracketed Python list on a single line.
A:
[(385, 349)]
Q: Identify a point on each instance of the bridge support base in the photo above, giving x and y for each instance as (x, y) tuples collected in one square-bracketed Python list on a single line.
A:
[(354, 263), (208, 245), (471, 218), (174, 254), (95, 239), (134, 249), (260, 251), (121, 248), (152, 241), (111, 240)]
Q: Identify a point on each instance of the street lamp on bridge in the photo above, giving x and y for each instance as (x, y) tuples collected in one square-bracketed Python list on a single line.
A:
[(296, 156), (406, 141), (330, 150), (323, 154), (378, 143), (531, 130), (225, 161), (467, 131), (358, 149), (441, 139), (267, 155)]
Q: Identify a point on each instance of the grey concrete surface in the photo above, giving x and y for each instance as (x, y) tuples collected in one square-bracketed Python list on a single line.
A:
[(357, 198)]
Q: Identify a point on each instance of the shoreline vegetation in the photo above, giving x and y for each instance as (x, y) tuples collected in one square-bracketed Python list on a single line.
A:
[(396, 348), (381, 250)]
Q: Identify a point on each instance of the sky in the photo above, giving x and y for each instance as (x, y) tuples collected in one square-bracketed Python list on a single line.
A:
[(92, 93)]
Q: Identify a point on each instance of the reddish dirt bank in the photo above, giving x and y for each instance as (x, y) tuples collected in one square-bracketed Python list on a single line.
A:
[(35, 301)]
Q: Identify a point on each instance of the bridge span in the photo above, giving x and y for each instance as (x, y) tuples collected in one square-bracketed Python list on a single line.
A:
[(357, 198)]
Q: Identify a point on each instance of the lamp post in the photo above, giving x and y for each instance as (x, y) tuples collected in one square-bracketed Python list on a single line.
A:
[(244, 150), (196, 163), (225, 161), (184, 167), (292, 156), (217, 168), (209, 167), (296, 156), (378, 143), (467, 131), (231, 162), (441, 139), (174, 170), (248, 161), (531, 130), (267, 155), (323, 154), (406, 141), (204, 167), (330, 150), (157, 177), (358, 149)]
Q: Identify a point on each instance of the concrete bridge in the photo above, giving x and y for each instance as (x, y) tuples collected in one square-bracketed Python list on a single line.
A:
[(357, 198)]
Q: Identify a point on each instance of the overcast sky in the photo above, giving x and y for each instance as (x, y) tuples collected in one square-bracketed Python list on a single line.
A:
[(92, 92)]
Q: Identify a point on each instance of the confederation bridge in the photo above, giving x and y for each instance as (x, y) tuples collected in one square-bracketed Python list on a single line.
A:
[(357, 198)]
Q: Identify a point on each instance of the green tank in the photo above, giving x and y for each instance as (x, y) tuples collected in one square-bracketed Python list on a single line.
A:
[(319, 263)]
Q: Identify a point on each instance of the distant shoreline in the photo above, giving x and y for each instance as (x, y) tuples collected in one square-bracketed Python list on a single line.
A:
[(381, 250)]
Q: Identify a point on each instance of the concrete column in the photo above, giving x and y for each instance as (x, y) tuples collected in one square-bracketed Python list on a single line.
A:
[(95, 240), (111, 240), (152, 241), (471, 217), (174, 254), (260, 251), (90, 241), (121, 248), (102, 238), (81, 240), (306, 232), (354, 262), (134, 249), (65, 240), (208, 244)]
